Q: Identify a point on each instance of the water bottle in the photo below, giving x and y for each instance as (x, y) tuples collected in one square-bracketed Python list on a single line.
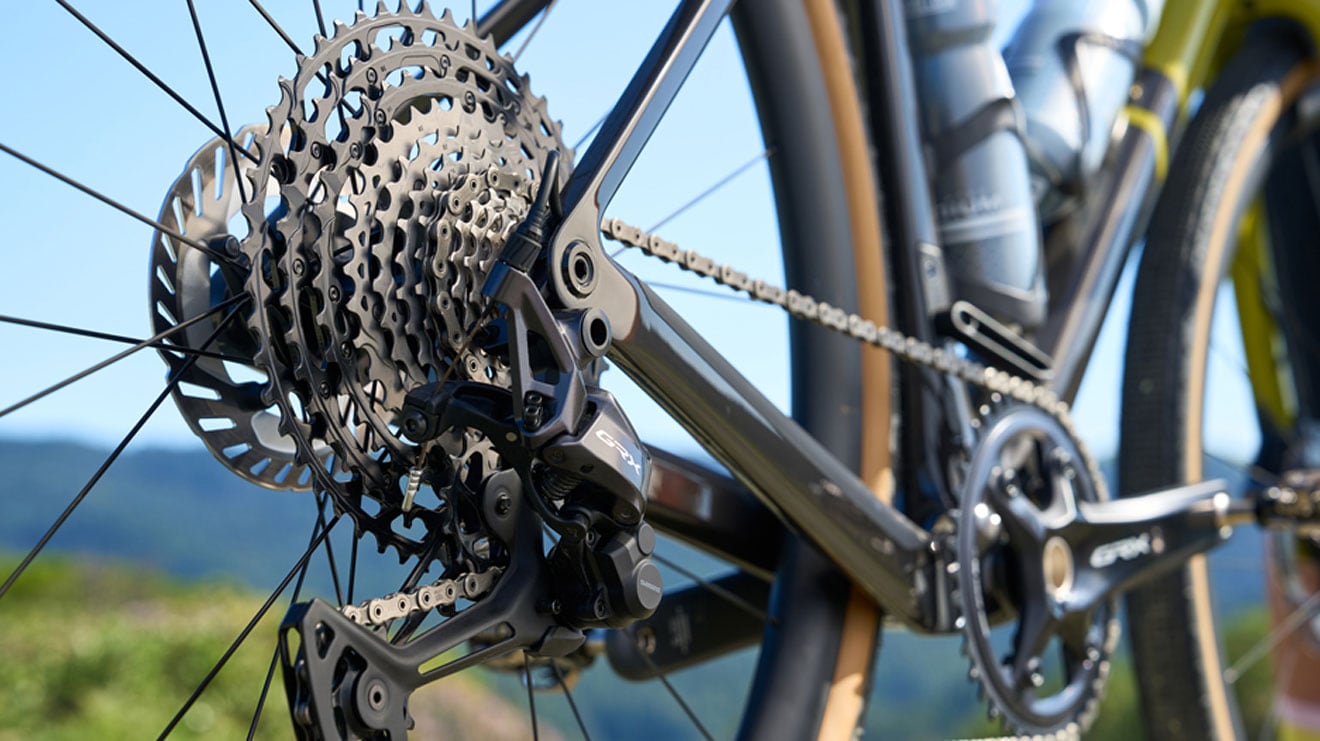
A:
[(1072, 63), (973, 125)]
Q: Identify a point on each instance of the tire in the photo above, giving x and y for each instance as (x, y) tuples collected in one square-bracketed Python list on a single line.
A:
[(817, 651), (1218, 171)]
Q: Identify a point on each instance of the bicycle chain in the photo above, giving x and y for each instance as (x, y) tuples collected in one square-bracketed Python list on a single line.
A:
[(905, 348), (438, 595)]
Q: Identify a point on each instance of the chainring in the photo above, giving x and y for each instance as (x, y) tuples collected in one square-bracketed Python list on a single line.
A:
[(403, 153), (1024, 453)]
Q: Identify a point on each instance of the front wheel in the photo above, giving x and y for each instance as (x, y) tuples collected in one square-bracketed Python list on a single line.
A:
[(1245, 131)]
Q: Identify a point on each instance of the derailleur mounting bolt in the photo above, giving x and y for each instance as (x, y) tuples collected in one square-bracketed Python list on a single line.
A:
[(533, 410), (503, 503)]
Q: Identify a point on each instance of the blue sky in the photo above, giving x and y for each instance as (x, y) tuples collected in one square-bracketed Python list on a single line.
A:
[(75, 105)]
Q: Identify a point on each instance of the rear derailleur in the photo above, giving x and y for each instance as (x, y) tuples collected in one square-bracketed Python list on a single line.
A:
[(571, 466)]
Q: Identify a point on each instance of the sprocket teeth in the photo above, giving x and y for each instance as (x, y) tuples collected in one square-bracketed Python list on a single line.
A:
[(290, 330)]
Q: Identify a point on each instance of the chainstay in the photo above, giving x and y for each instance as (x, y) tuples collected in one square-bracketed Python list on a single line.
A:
[(905, 348)]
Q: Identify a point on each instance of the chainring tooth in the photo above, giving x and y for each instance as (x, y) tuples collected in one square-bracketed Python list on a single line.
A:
[(1086, 680)]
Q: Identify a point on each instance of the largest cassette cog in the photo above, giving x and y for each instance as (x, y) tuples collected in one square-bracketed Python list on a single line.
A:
[(404, 152)]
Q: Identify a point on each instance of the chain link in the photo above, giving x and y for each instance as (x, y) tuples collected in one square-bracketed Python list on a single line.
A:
[(440, 594)]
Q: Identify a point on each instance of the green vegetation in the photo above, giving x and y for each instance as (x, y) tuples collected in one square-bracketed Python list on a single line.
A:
[(110, 652), (100, 652)]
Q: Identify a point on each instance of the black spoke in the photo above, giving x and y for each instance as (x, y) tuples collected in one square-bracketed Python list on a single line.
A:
[(247, 629), (352, 570), (707, 193), (583, 139), (293, 45), (703, 195), (107, 200), (121, 338), (219, 102), (270, 20), (109, 461), (1281, 630), (532, 33), (329, 549), (265, 691), (317, 527), (719, 591), (151, 76), (120, 356), (559, 677), (531, 695), (320, 17), (739, 297), (672, 692)]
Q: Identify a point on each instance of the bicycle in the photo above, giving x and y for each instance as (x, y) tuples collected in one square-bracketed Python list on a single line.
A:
[(373, 372)]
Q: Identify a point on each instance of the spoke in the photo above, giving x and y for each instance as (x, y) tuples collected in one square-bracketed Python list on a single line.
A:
[(531, 695), (1259, 476), (319, 525), (109, 461), (1267, 724), (120, 356), (719, 591), (122, 339), (1235, 363), (1286, 627), (270, 21), (740, 297), (151, 76), (265, 690), (559, 677), (107, 200), (707, 193), (219, 102), (320, 17), (530, 34), (583, 139), (329, 549), (672, 692), (247, 629), (352, 570)]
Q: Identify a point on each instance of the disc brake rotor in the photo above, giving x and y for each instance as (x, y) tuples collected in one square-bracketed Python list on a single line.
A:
[(222, 408)]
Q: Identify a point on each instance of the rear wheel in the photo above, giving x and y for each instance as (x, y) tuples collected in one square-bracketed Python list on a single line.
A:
[(1246, 130)]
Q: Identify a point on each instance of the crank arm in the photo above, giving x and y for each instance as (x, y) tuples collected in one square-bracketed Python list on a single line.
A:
[(1102, 549)]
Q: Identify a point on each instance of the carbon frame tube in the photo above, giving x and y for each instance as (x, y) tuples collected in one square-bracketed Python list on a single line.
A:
[(875, 545), (879, 548)]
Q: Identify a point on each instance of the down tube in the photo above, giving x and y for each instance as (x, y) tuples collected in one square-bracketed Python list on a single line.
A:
[(879, 549)]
